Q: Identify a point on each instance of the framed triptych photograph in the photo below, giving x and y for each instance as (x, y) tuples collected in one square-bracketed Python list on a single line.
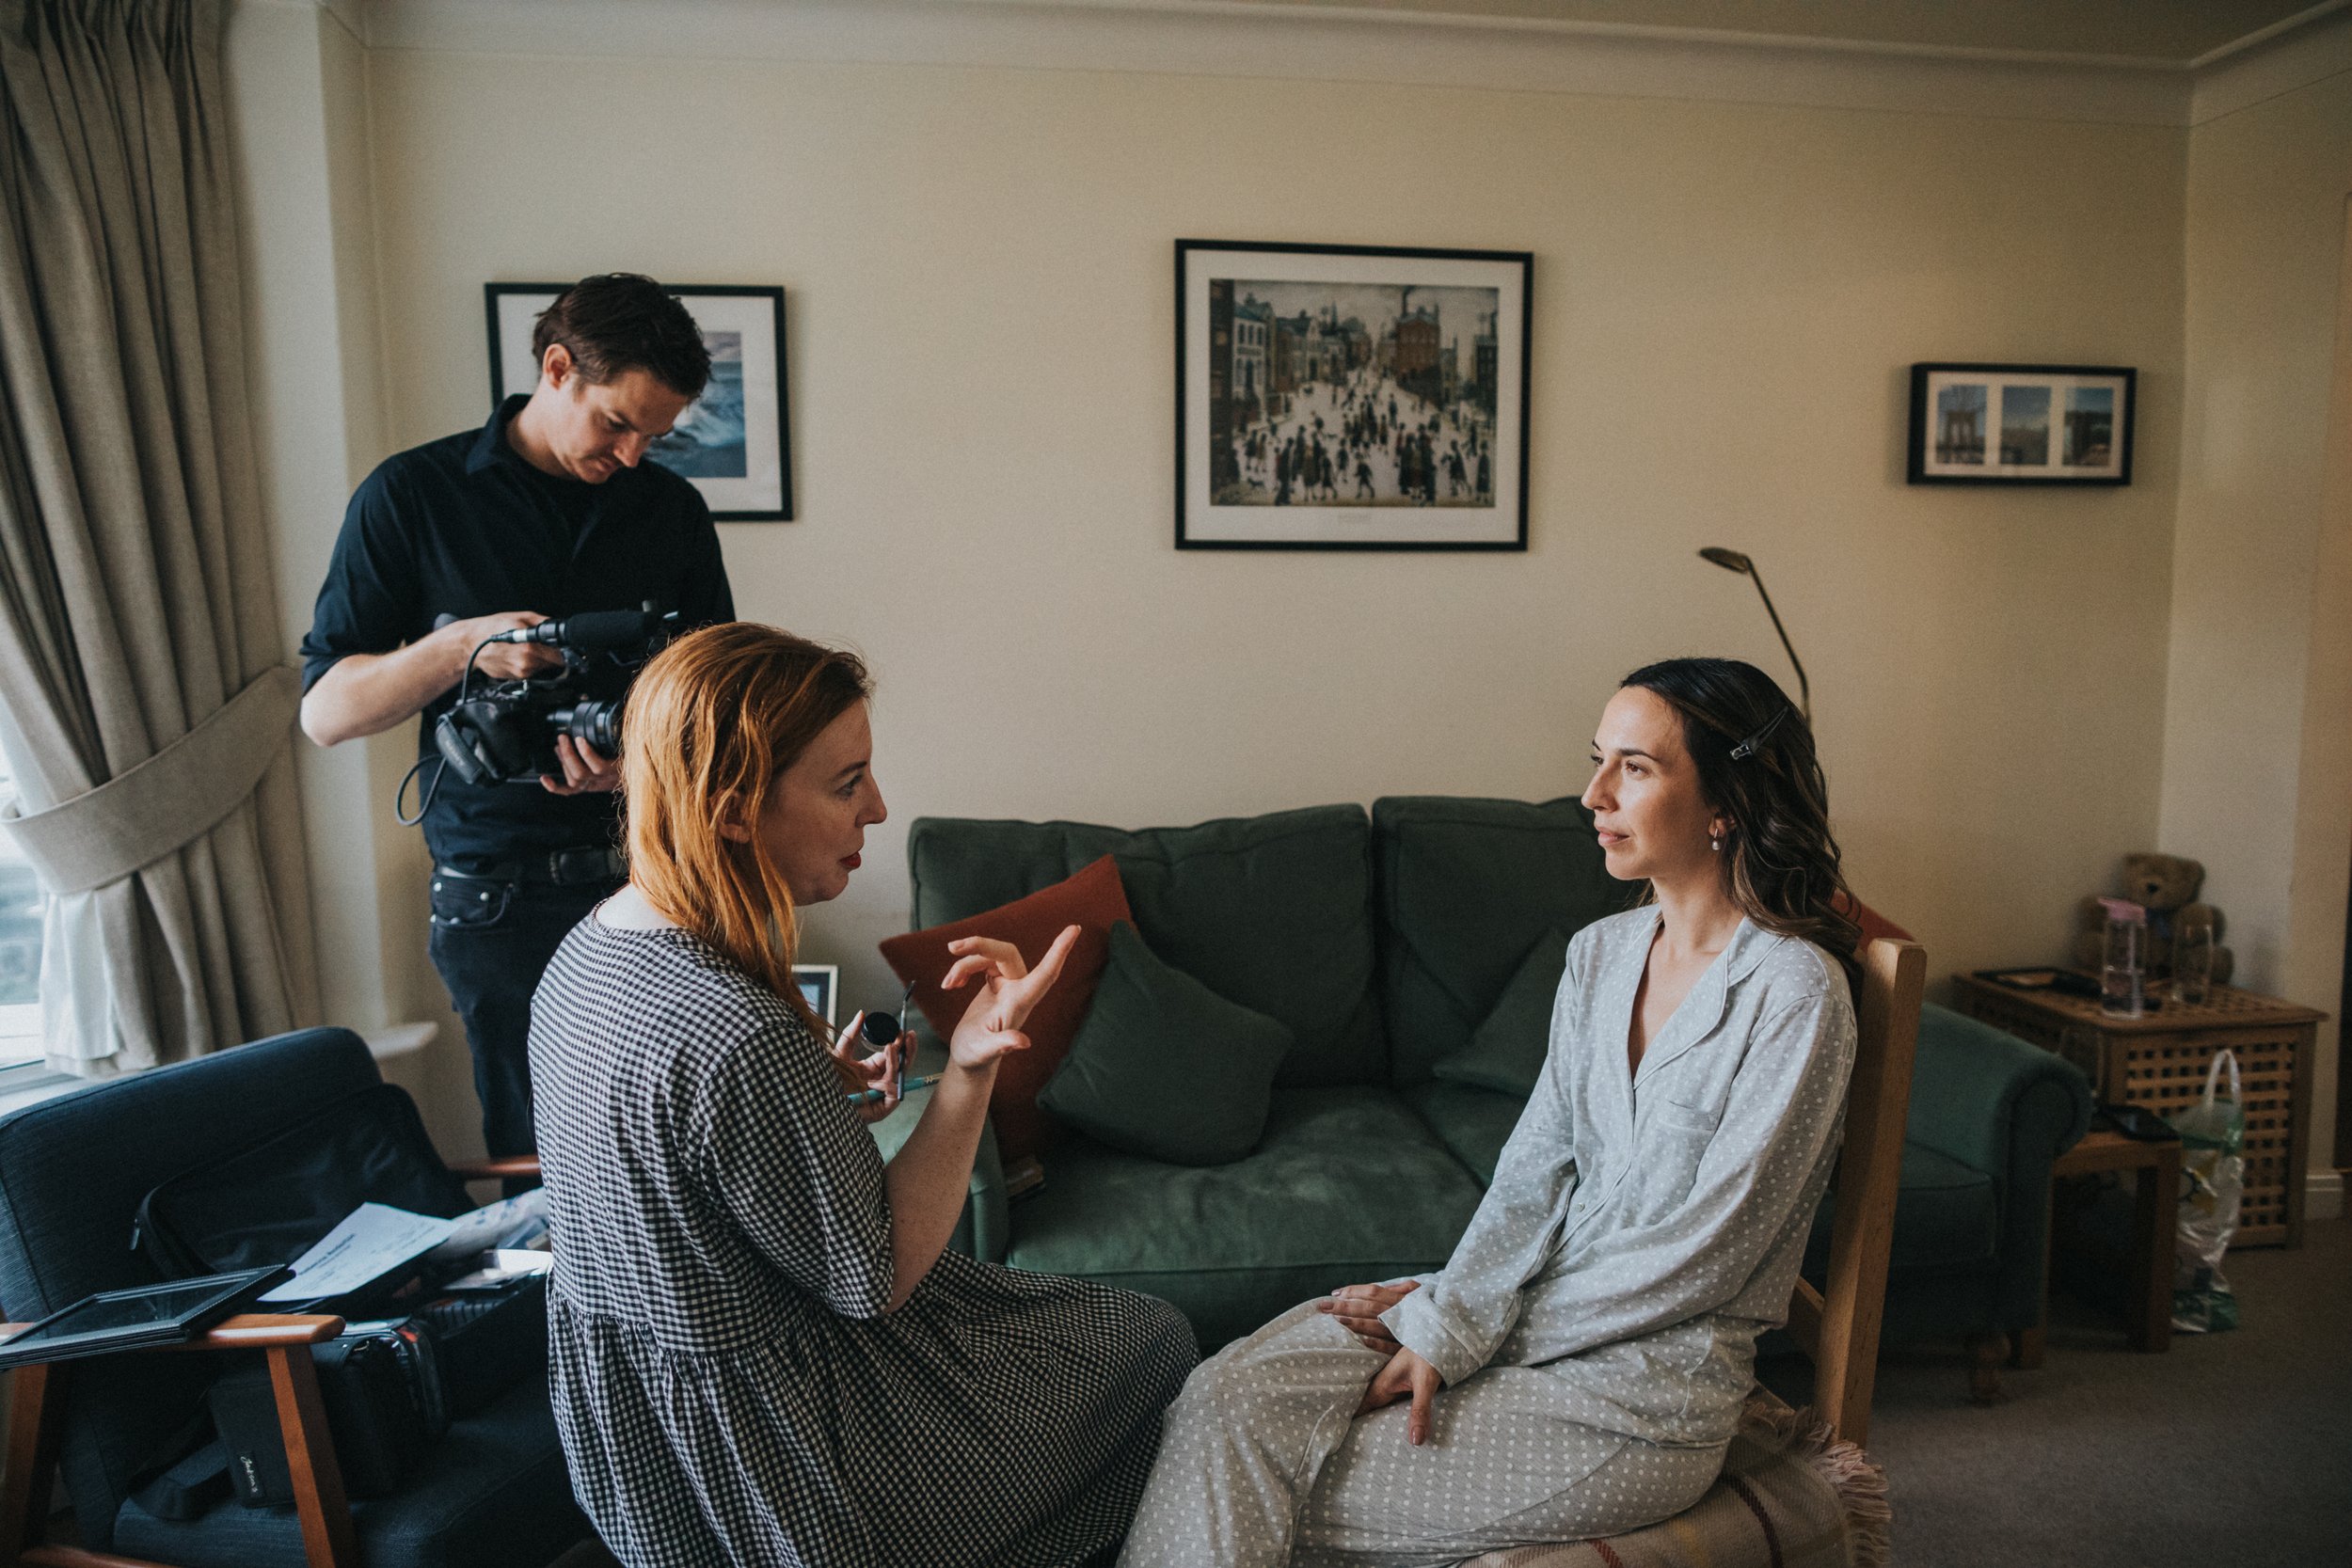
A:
[(2022, 424)]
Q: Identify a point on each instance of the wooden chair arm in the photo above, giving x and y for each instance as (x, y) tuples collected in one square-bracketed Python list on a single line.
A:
[(247, 1331), (514, 1166)]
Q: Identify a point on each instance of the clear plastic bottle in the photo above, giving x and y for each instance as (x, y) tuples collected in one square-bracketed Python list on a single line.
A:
[(2123, 972)]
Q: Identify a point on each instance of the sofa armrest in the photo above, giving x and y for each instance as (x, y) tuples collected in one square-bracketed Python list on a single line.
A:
[(1987, 1099)]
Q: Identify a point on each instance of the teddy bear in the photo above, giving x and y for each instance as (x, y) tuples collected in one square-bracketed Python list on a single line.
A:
[(2166, 886)]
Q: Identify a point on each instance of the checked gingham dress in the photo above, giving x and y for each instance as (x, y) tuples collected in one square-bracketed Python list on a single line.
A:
[(728, 1386)]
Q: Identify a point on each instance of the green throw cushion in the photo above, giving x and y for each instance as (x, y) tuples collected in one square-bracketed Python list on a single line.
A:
[(1165, 1067), (1507, 1053)]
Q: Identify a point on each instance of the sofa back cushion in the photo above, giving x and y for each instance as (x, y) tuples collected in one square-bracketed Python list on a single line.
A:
[(1466, 887), (1272, 912)]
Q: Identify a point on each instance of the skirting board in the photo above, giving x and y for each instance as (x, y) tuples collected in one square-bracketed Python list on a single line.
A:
[(2323, 1196)]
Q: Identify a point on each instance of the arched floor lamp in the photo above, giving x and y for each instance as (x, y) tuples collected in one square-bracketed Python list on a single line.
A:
[(1732, 560)]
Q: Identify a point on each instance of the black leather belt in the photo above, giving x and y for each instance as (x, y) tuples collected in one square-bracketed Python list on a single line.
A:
[(584, 866)]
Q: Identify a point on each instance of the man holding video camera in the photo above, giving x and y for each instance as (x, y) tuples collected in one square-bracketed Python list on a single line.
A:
[(546, 512)]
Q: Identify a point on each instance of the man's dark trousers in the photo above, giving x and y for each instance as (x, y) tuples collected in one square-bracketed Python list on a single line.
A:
[(487, 933)]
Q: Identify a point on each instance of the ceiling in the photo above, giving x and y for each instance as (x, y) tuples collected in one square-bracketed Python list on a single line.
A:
[(2160, 32)]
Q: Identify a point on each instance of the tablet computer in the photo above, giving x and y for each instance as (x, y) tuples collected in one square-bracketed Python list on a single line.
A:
[(126, 1320)]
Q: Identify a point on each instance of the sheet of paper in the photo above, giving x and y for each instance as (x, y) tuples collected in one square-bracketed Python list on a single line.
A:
[(371, 1240)]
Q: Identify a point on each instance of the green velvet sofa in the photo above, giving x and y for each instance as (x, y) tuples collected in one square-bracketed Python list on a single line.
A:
[(1383, 942)]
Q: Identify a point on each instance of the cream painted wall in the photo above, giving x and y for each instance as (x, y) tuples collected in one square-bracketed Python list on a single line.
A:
[(298, 95), (1726, 298), (2257, 730)]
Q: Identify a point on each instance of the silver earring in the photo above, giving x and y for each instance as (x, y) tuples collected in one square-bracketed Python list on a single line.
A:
[(1716, 845)]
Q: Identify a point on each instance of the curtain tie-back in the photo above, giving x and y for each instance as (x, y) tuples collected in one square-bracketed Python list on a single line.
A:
[(173, 798)]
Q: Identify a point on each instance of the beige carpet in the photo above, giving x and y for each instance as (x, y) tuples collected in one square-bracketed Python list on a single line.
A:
[(2231, 1448)]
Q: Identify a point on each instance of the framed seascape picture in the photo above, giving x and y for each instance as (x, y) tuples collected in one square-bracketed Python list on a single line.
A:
[(2022, 424), (818, 984), (734, 441), (1350, 397)]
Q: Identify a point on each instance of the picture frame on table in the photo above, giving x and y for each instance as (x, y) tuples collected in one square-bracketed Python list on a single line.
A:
[(1337, 397), (820, 987), (2022, 424), (734, 441)]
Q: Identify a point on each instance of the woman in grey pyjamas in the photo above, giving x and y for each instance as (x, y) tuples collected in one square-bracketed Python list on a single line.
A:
[(1594, 1332)]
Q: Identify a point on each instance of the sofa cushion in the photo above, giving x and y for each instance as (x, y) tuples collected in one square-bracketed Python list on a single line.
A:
[(1273, 912), (1346, 1187), (1165, 1067), (493, 1493), (1466, 886), (1091, 900), (1946, 1216), (1507, 1053), (1473, 1123)]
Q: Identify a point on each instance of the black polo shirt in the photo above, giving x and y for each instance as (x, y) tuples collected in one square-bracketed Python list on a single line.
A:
[(464, 527)]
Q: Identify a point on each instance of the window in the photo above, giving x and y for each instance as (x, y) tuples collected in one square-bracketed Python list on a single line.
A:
[(21, 901)]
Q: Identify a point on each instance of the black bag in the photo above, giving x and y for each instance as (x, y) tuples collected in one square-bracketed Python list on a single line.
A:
[(380, 1383), (488, 1341), (269, 1203)]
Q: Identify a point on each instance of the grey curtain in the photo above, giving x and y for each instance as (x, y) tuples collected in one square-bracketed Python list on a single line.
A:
[(147, 705)]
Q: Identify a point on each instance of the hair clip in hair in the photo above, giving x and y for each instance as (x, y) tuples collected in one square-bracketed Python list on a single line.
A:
[(1749, 747)]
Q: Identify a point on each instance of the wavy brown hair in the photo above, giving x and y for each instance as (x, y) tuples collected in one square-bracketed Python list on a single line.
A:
[(1757, 767), (710, 727)]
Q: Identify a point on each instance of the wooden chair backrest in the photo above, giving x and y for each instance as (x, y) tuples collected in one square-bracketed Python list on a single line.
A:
[(1837, 1326)]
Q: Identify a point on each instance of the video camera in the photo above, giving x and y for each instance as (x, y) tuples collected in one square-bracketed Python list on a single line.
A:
[(508, 729)]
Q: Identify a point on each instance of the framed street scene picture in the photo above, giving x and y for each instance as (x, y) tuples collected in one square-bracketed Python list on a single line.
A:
[(734, 441), (2022, 424), (1350, 397)]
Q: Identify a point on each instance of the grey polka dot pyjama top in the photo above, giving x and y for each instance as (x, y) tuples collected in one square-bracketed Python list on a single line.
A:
[(1596, 1326)]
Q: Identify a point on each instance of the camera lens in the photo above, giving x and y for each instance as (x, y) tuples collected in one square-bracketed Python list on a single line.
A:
[(597, 725)]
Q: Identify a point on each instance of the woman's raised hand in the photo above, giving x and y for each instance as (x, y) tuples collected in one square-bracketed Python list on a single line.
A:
[(1009, 988), (1358, 1308), (859, 1071)]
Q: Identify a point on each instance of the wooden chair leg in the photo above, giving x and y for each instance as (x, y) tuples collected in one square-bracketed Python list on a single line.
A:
[(327, 1538), (35, 1431), (1986, 1352)]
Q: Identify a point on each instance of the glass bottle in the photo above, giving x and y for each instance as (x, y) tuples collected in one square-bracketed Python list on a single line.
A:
[(2192, 962)]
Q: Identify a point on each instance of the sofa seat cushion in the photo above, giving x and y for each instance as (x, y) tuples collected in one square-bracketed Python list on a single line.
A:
[(1946, 1216), (1347, 1186), (493, 1493), (1473, 1123)]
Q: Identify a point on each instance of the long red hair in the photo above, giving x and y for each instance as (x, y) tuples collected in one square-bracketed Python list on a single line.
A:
[(711, 724)]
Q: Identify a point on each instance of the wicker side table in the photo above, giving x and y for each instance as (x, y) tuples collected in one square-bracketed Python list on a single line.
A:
[(2160, 1059)]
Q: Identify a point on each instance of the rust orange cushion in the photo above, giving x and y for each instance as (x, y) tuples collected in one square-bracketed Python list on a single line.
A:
[(1093, 900)]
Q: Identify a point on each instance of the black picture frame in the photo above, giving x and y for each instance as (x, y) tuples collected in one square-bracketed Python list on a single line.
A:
[(2077, 428), (754, 316), (1226, 498)]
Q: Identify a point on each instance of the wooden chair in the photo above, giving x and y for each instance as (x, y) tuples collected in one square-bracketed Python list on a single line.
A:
[(1776, 1504), (72, 1172)]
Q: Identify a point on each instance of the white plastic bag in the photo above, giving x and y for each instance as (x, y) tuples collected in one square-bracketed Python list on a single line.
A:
[(2213, 1183)]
